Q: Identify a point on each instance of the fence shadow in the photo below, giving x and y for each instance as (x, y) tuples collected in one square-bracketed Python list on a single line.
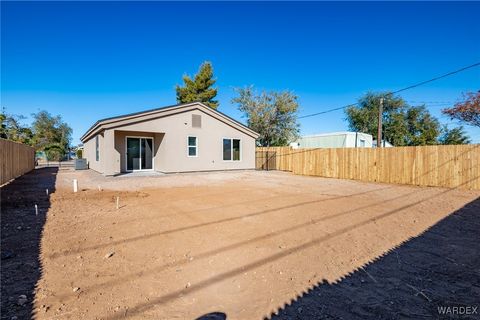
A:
[(20, 239), (437, 269)]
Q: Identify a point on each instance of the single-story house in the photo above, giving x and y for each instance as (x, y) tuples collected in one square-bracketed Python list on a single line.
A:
[(179, 138), (343, 139)]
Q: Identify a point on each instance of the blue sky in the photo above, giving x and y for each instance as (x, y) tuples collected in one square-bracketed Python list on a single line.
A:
[(90, 60)]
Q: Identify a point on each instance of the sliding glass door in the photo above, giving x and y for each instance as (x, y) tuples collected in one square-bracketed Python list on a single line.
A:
[(146, 154), (139, 154), (133, 154)]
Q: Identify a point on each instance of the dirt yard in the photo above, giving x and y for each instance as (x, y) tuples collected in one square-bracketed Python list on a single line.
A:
[(242, 244)]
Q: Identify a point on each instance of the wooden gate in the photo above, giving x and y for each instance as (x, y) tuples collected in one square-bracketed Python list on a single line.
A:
[(266, 160)]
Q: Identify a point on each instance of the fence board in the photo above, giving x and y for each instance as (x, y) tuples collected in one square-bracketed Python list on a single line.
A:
[(16, 159), (277, 155), (455, 166)]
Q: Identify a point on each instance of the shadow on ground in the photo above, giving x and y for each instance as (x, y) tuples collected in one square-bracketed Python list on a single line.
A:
[(437, 269), (213, 316), (20, 239)]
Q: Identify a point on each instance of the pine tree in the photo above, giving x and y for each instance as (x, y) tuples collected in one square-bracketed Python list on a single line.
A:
[(200, 88), (454, 136)]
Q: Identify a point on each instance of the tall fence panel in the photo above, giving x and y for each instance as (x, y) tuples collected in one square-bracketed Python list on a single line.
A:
[(265, 160), (274, 158), (442, 166), (15, 159)]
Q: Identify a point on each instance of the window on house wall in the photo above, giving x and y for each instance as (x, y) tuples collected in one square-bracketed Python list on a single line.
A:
[(236, 149), (227, 149), (231, 149), (362, 143), (192, 146), (97, 149)]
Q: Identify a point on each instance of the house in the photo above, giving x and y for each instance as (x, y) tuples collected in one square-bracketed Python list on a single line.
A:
[(179, 138), (335, 140)]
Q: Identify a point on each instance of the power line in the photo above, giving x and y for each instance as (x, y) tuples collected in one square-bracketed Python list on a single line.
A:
[(430, 102), (429, 105), (437, 78), (327, 111), (400, 90)]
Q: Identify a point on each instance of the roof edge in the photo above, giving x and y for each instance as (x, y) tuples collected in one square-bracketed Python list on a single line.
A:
[(103, 121)]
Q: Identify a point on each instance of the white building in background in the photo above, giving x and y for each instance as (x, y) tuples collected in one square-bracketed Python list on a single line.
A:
[(385, 144), (343, 139)]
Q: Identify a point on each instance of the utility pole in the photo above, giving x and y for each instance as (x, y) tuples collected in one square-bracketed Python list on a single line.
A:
[(380, 116)]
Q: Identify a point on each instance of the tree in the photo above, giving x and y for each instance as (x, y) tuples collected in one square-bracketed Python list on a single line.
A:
[(54, 151), (454, 136), (402, 124), (364, 117), (200, 88), (422, 128), (467, 111), (272, 114), (50, 133), (12, 129)]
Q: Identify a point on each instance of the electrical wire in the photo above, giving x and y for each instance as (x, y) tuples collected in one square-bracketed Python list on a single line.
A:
[(398, 91), (436, 78), (327, 111)]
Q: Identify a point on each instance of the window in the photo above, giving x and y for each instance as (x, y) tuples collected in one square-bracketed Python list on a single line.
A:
[(192, 146), (227, 149), (97, 149), (231, 149), (236, 150), (362, 143)]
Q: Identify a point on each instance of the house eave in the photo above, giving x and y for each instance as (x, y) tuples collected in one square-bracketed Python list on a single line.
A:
[(112, 122)]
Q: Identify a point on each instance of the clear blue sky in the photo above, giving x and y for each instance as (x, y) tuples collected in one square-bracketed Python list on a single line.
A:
[(91, 60)]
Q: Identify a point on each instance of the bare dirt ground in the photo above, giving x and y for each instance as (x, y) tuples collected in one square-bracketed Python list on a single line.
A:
[(243, 244)]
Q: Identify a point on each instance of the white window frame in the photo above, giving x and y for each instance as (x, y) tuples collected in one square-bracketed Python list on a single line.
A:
[(231, 149), (189, 146)]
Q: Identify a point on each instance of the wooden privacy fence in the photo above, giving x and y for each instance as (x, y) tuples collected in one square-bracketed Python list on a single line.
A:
[(441, 166), (15, 159), (274, 158)]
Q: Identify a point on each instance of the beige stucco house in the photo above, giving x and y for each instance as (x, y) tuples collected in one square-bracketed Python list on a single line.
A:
[(178, 138)]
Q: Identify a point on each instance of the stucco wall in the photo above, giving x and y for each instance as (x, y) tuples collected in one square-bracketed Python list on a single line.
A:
[(89, 154), (170, 145), (171, 152)]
